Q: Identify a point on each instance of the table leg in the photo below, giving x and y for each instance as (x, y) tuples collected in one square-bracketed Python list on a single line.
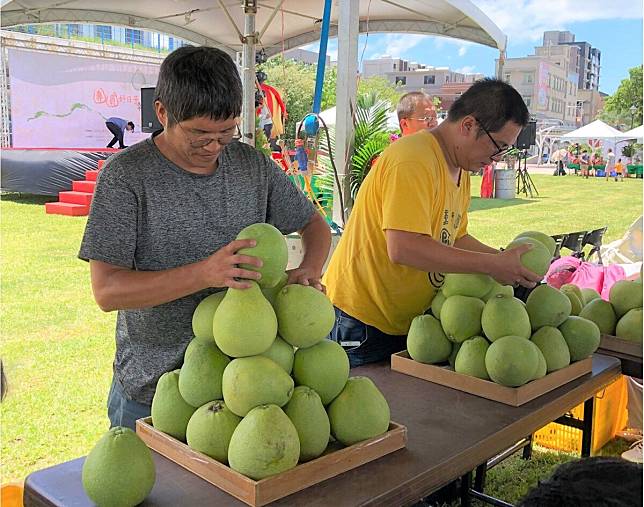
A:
[(527, 449), (479, 479), (466, 484), (587, 431)]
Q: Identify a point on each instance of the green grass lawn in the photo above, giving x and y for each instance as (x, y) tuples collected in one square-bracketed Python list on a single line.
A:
[(57, 346)]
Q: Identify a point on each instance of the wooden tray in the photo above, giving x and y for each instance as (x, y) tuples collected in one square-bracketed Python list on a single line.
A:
[(514, 396), (614, 344), (257, 493)]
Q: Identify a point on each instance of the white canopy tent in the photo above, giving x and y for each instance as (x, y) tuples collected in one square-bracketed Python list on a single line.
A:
[(636, 133), (239, 26), (595, 130)]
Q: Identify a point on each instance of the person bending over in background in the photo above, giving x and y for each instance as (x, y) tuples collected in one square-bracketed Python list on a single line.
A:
[(118, 126)]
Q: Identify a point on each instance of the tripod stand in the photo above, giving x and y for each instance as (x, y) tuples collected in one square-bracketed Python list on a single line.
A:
[(525, 184)]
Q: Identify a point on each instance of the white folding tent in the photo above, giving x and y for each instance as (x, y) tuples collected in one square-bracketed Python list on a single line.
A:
[(595, 130), (240, 26), (636, 133)]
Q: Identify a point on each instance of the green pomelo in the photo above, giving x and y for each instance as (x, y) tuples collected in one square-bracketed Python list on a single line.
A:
[(537, 259), (470, 359), (305, 315), (200, 375), (306, 412), (170, 412), (505, 316), (629, 326), (119, 470), (452, 357), (601, 313), (542, 238), (511, 361), (270, 293), (426, 340), (466, 284), (282, 353), (323, 367), (581, 335), (359, 412), (498, 290), (553, 346), (437, 304), (264, 443), (461, 317), (210, 429), (252, 381), (542, 366), (574, 288), (547, 306), (204, 314), (575, 303), (589, 294), (625, 295), (270, 248), (245, 323)]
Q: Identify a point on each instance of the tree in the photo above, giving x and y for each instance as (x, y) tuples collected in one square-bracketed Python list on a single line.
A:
[(381, 88), (629, 93)]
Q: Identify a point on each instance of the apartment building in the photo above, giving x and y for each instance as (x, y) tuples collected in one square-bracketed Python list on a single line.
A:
[(439, 82)]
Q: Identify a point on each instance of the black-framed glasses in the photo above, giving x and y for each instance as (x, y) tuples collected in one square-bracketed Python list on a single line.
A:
[(499, 151), (424, 119), (222, 140)]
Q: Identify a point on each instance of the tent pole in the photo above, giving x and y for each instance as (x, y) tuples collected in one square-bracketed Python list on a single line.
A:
[(346, 88), (248, 72)]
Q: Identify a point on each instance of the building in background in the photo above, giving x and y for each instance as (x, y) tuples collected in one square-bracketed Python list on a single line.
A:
[(589, 62), (439, 82), (106, 34), (560, 82), (305, 56)]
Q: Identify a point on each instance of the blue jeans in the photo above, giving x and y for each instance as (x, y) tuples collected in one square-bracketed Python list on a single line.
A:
[(123, 411), (363, 343)]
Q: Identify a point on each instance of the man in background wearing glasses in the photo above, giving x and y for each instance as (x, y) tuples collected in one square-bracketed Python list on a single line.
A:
[(416, 111), (409, 223), (161, 232)]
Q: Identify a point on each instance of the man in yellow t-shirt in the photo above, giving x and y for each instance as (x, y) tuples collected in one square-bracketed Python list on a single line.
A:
[(409, 224)]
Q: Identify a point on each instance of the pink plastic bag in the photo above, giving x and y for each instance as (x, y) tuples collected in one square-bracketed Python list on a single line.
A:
[(584, 275)]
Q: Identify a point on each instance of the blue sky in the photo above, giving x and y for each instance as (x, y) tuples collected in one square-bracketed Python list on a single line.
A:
[(612, 26)]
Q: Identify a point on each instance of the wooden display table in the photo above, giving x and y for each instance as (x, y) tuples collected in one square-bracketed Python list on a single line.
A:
[(449, 434)]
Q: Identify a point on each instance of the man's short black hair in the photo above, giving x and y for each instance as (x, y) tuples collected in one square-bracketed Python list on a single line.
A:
[(199, 82), (130, 124), (597, 481), (493, 103)]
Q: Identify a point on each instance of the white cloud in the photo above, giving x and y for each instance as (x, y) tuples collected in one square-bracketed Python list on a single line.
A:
[(467, 69), (462, 50), (526, 20)]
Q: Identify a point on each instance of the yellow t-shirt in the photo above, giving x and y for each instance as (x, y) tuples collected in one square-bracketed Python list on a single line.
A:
[(409, 189)]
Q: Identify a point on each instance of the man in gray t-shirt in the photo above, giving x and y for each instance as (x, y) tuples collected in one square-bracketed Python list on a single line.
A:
[(161, 231)]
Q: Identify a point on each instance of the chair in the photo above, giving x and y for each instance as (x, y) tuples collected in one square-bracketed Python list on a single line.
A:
[(574, 241), (594, 238), (559, 239)]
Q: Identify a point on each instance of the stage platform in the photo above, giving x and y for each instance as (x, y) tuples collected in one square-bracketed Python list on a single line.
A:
[(47, 171)]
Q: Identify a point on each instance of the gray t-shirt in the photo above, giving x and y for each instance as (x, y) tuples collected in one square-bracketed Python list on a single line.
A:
[(149, 214)]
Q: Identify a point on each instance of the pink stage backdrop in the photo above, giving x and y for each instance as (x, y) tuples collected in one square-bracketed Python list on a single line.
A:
[(63, 101)]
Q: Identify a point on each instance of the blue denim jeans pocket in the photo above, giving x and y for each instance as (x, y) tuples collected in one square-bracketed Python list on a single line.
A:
[(348, 332), (363, 343), (123, 411)]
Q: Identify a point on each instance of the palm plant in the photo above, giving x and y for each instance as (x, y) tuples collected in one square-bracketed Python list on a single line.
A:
[(370, 138)]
